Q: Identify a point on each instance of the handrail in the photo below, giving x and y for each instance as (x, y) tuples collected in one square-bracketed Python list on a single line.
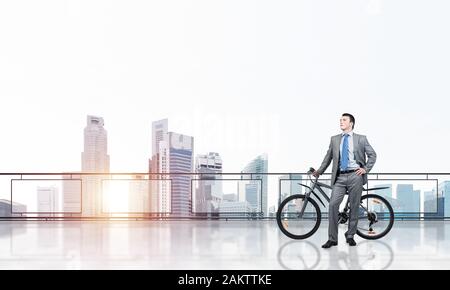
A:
[(373, 177), (208, 173)]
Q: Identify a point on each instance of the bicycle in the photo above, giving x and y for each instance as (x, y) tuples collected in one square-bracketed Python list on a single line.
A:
[(299, 215)]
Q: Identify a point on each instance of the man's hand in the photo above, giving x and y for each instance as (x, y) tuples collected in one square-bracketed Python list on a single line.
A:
[(316, 173), (360, 171)]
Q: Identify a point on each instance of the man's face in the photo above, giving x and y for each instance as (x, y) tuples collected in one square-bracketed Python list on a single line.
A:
[(345, 123)]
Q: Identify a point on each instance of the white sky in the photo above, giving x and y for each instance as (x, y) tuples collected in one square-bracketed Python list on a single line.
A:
[(242, 77)]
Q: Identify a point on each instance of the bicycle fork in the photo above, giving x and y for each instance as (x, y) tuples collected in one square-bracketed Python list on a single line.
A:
[(305, 202)]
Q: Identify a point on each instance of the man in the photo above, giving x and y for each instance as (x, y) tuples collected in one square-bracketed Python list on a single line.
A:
[(348, 152)]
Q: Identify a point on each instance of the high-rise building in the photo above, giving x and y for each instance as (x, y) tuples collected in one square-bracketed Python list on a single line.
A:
[(259, 168), (209, 192), (94, 158), (177, 157), (159, 136), (252, 192), (433, 205), (159, 133), (48, 200), (289, 185), (71, 194), (408, 200), (430, 201), (444, 192), (171, 153)]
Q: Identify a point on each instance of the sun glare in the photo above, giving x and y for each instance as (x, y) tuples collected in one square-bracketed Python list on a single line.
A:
[(115, 197)]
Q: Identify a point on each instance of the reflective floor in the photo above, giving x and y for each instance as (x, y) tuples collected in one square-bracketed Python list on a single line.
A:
[(213, 245)]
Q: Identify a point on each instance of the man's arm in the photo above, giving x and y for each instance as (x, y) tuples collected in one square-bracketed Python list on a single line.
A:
[(327, 160), (371, 155)]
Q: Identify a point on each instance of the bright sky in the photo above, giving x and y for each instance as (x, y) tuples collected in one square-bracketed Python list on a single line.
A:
[(242, 77)]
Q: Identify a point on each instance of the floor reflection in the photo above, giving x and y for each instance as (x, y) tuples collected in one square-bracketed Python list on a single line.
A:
[(305, 255), (299, 255), (212, 245)]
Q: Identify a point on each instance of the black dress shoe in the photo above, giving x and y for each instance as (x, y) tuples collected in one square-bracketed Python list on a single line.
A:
[(351, 242), (329, 244)]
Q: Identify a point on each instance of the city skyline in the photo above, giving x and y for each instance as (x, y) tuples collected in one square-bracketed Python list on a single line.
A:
[(249, 196), (136, 194)]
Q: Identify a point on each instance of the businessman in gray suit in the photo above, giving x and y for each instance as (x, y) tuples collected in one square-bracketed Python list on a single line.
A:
[(348, 151)]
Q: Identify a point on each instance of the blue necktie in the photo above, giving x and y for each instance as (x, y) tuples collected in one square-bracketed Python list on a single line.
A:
[(344, 159)]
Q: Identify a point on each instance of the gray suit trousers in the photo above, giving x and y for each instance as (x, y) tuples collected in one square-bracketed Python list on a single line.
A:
[(353, 184)]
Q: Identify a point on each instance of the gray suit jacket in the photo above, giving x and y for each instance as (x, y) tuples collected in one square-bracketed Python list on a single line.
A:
[(361, 148)]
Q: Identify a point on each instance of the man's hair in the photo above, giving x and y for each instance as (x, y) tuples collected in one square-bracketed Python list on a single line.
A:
[(352, 119)]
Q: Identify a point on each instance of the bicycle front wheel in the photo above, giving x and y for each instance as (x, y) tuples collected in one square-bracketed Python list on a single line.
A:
[(292, 222), (375, 217)]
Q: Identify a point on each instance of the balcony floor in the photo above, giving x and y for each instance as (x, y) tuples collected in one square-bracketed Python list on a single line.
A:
[(213, 245)]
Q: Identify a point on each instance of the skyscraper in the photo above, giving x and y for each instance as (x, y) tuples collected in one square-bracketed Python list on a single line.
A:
[(94, 158), (430, 201), (252, 195), (171, 153), (159, 130), (71, 191), (444, 190), (408, 199), (159, 135), (289, 185), (209, 192), (177, 157), (258, 166), (433, 205)]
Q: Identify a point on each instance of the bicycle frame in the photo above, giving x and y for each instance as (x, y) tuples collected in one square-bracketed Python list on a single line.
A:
[(316, 184)]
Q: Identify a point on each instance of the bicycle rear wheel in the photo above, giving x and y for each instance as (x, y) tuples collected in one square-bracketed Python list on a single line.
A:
[(292, 223), (375, 217)]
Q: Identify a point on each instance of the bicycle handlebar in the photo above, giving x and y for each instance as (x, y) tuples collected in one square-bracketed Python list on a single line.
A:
[(310, 173)]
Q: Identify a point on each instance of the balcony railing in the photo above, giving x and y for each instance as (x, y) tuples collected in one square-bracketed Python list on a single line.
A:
[(75, 195)]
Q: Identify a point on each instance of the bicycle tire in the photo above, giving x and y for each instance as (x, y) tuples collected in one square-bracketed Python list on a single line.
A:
[(391, 219), (286, 232)]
